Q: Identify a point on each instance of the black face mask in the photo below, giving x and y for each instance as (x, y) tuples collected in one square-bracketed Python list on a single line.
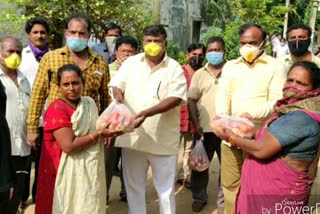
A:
[(299, 47), (195, 62)]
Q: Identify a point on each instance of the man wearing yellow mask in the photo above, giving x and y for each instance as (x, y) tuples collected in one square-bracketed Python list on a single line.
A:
[(249, 87), (153, 86), (17, 89)]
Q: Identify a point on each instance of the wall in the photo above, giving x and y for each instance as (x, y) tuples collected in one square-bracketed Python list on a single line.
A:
[(182, 20)]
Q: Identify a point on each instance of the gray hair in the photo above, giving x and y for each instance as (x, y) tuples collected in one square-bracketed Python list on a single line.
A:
[(3, 39)]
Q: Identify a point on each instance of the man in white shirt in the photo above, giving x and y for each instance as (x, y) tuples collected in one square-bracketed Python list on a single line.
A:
[(153, 86), (18, 92), (38, 35)]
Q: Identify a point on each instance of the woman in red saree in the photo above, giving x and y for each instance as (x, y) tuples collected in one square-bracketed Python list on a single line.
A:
[(59, 136), (275, 174)]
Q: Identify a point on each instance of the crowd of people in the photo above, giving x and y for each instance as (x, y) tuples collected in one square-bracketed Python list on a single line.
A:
[(50, 101)]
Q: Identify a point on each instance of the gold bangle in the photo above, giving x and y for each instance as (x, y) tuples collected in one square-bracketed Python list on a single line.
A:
[(92, 138)]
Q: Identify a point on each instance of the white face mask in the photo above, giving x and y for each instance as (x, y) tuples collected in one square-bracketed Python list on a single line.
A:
[(111, 43), (250, 52)]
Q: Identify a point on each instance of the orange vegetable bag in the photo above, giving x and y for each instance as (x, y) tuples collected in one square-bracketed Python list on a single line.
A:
[(198, 158), (239, 125), (116, 117)]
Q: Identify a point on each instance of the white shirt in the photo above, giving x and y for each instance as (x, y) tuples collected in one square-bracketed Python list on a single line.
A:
[(17, 111), (144, 88), (29, 65)]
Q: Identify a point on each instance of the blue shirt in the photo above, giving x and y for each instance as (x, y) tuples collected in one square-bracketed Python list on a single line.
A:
[(102, 50), (298, 135)]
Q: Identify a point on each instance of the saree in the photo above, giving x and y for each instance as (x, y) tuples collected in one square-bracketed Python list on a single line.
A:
[(80, 184), (271, 186), (58, 115)]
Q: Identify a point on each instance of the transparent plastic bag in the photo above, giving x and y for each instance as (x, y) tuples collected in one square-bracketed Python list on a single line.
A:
[(238, 125), (198, 158), (118, 116)]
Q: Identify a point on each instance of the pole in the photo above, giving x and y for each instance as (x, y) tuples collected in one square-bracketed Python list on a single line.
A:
[(285, 24), (157, 9), (315, 4)]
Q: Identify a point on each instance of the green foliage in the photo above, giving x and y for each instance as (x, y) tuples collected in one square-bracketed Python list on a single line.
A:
[(173, 50), (263, 12), (131, 15)]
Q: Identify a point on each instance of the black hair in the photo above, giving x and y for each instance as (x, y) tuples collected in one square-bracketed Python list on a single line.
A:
[(79, 17), (127, 40), (69, 67), (155, 30), (216, 39), (313, 70), (112, 26), (299, 26), (247, 26), (194, 46), (36, 21)]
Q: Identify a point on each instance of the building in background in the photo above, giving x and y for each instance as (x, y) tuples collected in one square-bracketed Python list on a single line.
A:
[(183, 20)]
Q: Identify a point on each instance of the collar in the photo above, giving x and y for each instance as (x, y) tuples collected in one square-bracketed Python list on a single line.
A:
[(164, 61), (263, 59), (66, 51), (206, 68), (288, 58), (20, 76)]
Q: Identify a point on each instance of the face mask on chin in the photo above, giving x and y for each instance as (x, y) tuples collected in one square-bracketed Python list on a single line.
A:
[(249, 52)]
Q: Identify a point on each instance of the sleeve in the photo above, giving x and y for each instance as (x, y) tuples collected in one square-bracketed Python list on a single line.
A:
[(119, 80), (194, 90), (105, 98), (178, 85), (224, 92), (274, 92), (39, 95), (290, 128), (56, 117)]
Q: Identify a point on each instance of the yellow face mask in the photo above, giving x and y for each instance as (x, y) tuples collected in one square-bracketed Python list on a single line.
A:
[(13, 61), (152, 49)]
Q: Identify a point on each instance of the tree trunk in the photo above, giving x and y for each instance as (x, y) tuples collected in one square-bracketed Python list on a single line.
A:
[(315, 4), (285, 24)]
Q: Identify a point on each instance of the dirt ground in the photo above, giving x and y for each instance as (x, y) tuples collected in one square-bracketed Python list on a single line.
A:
[(183, 196)]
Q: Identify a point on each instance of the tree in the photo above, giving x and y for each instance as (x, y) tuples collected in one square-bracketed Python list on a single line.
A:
[(132, 15), (264, 12)]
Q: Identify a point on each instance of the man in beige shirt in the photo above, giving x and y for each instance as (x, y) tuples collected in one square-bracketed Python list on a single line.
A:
[(153, 86), (299, 40), (201, 104), (250, 86)]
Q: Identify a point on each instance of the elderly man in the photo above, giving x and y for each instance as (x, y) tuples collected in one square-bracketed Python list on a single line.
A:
[(126, 46), (107, 48), (195, 58), (249, 87), (38, 34), (17, 89), (299, 40), (153, 86), (94, 69)]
